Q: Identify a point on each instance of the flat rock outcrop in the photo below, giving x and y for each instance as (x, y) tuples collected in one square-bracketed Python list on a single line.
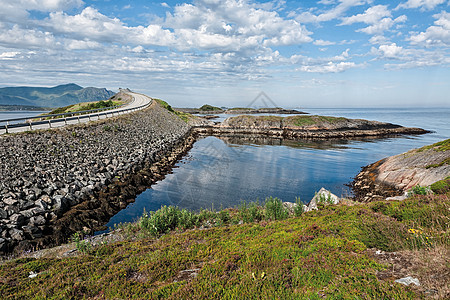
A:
[(301, 126), (56, 182), (394, 175)]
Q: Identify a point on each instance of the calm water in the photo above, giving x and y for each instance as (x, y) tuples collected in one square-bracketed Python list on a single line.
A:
[(221, 172), (6, 115)]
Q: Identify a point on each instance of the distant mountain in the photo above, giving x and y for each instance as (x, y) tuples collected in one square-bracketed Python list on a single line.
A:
[(58, 96)]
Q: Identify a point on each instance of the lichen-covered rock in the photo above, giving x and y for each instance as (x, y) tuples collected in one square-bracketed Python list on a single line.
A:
[(393, 176)]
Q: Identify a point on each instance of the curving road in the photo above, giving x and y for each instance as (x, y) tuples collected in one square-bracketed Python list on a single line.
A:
[(139, 101)]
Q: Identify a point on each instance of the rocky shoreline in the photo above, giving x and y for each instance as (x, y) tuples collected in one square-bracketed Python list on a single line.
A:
[(57, 182), (395, 175)]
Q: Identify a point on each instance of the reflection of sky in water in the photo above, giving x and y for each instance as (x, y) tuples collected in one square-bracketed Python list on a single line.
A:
[(223, 172)]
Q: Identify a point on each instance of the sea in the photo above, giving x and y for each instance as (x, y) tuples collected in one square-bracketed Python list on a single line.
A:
[(225, 172), (221, 173)]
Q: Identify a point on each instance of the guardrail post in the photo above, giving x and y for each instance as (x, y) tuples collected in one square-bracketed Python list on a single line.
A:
[(50, 123), (6, 127), (79, 119), (31, 128), (65, 120)]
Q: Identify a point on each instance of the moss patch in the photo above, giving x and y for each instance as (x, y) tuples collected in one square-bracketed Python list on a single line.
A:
[(442, 186), (439, 146)]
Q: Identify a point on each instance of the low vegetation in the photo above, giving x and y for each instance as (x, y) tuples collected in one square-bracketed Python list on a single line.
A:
[(208, 107), (86, 106), (439, 146), (184, 116), (312, 120), (250, 252)]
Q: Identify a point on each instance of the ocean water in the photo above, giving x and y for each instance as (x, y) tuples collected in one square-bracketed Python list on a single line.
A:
[(220, 173), (6, 115)]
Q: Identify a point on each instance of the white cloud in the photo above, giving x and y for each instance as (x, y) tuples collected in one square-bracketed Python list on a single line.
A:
[(8, 55), (17, 37), (334, 13), (436, 35), (164, 4), (330, 67), (422, 4), (390, 51), (323, 43), (17, 10), (371, 16), (378, 17)]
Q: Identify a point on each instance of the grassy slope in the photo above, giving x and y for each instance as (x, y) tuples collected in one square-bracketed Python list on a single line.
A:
[(319, 254)]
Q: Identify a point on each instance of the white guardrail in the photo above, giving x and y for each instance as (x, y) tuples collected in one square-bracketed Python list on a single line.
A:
[(31, 122)]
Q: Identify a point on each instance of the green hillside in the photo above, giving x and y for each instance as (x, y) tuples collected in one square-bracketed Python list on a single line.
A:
[(61, 95)]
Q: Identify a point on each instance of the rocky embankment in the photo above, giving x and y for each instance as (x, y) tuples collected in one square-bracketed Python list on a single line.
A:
[(56, 182), (306, 127), (394, 175)]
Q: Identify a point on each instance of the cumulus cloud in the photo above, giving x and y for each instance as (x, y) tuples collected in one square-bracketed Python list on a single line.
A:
[(436, 35), (422, 4), (390, 51), (333, 13), (378, 17), (17, 10), (371, 16)]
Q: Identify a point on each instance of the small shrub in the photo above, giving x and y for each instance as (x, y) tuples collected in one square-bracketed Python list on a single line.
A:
[(250, 212), (275, 209), (161, 221), (419, 190), (82, 245), (325, 200), (224, 216), (298, 209)]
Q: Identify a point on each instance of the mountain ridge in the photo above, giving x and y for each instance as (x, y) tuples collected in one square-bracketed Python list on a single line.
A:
[(57, 96)]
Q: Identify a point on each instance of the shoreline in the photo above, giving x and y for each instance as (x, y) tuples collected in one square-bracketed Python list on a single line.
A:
[(54, 218)]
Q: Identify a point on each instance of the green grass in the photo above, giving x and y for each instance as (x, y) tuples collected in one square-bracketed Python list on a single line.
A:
[(208, 107), (321, 254), (184, 116), (86, 106), (442, 186), (312, 120), (439, 146)]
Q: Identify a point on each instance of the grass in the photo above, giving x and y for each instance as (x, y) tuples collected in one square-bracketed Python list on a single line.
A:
[(321, 254), (439, 146), (184, 116), (86, 106), (312, 120), (208, 107)]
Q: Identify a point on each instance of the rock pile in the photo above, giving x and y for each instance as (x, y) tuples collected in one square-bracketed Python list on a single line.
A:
[(46, 173)]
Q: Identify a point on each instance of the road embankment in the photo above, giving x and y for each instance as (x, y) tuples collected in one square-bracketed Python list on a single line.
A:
[(57, 182)]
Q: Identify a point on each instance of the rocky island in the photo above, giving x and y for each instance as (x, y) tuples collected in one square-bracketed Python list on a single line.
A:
[(320, 127)]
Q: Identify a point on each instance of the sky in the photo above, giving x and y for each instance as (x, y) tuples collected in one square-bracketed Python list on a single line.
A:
[(327, 53)]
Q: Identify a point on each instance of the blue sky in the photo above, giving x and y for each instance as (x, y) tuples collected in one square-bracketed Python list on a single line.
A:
[(328, 53)]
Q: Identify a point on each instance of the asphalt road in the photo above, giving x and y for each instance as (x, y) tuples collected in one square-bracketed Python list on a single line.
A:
[(138, 101)]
